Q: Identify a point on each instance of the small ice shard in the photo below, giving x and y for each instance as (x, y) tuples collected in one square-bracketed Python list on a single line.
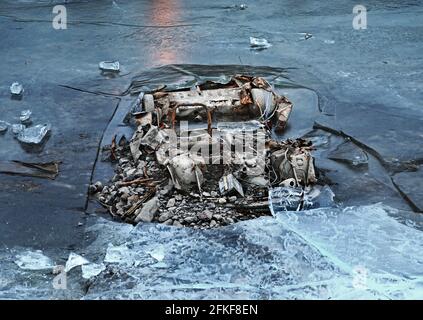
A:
[(307, 36), (242, 6), (25, 116), (318, 197), (109, 66), (160, 265), (92, 269), (75, 260), (16, 88), (157, 253), (34, 135), (117, 254), (318, 141), (33, 260), (259, 43), (350, 153), (17, 128), (3, 126)]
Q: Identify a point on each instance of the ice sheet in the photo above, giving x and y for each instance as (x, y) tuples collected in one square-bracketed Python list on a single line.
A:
[(362, 252), (366, 239), (33, 260)]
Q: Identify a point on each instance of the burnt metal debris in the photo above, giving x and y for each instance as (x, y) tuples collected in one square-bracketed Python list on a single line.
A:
[(205, 156)]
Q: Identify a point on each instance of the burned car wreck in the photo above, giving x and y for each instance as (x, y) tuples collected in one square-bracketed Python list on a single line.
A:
[(206, 156)]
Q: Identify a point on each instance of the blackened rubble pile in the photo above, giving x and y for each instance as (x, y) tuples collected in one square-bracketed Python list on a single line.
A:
[(204, 157)]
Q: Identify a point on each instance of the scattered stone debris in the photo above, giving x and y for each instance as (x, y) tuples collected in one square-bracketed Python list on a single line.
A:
[(111, 66), (148, 211), (16, 89), (204, 157)]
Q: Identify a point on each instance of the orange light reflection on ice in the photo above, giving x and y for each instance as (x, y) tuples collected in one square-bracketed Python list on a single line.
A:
[(165, 13)]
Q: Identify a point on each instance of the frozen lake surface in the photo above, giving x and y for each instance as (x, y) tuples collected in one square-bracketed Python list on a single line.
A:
[(355, 92)]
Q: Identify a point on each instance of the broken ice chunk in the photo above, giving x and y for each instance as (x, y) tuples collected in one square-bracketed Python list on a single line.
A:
[(25, 116), (118, 254), (92, 269), (285, 199), (241, 6), (3, 126), (75, 260), (318, 197), (33, 260), (16, 88), (297, 198), (307, 35), (17, 128), (259, 43), (157, 253), (350, 153), (109, 66), (34, 135)]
